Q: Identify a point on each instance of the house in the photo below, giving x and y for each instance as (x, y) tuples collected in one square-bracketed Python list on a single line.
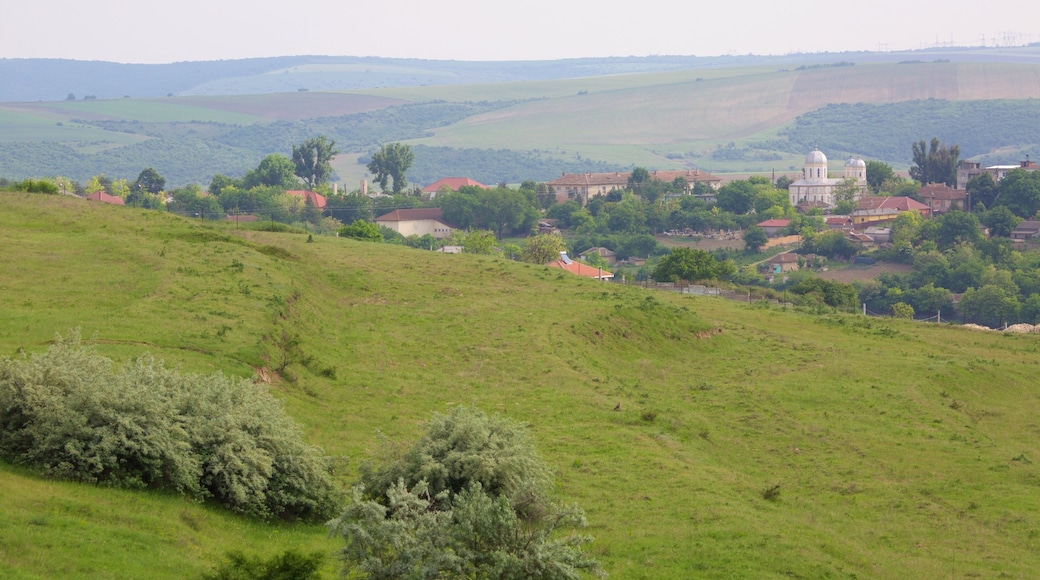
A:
[(966, 170), (858, 239), (806, 207), (1027, 230), (815, 184), (580, 269), (876, 209), (450, 249), (838, 222), (781, 263), (879, 235), (315, 199), (584, 186), (774, 227), (606, 254), (450, 183), (941, 198), (416, 222), (105, 198)]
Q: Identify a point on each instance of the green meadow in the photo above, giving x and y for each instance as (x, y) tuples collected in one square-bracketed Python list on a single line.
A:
[(703, 437)]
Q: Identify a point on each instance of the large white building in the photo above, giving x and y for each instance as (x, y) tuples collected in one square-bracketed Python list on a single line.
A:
[(816, 186)]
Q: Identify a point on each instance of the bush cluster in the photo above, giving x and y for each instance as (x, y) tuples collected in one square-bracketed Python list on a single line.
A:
[(68, 414)]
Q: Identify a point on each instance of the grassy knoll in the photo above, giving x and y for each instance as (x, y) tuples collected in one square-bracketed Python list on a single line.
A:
[(894, 449)]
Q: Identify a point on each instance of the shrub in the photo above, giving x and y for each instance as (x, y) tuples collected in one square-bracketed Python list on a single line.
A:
[(469, 500), (67, 413), (286, 566)]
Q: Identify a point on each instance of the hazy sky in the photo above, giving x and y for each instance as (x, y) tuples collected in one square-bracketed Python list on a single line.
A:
[(146, 31)]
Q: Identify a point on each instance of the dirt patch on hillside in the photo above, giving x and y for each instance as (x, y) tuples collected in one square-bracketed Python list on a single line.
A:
[(706, 244), (852, 273)]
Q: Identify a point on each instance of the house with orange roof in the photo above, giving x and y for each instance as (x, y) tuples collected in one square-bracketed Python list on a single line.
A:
[(315, 199), (875, 209), (452, 183), (105, 198), (565, 263), (416, 222), (773, 227)]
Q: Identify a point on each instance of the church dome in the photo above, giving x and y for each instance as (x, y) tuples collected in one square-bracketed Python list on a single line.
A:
[(853, 162), (815, 156)]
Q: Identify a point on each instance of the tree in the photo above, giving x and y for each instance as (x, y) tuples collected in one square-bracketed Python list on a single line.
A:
[(982, 189), (877, 173), (1000, 221), (479, 242), (149, 180), (935, 163), (687, 264), (754, 238), (1020, 192), (989, 305), (361, 230), (956, 227), (783, 182), (312, 159), (470, 499), (902, 310), (736, 197), (391, 162), (273, 171), (543, 248)]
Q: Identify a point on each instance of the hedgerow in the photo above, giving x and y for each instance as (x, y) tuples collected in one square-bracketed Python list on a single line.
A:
[(67, 413)]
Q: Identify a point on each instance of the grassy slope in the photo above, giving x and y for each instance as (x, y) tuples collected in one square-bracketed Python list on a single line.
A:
[(900, 449)]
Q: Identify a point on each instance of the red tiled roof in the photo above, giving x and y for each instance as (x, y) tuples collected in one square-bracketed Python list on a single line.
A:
[(896, 203), (774, 223), (453, 183), (104, 197), (785, 258), (406, 215), (316, 199), (941, 191), (580, 269)]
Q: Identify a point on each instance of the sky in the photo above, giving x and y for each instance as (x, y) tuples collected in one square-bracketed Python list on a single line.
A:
[(145, 31)]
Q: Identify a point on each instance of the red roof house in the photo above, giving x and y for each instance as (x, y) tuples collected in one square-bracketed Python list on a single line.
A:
[(452, 183), (316, 199), (565, 263), (773, 226), (105, 198)]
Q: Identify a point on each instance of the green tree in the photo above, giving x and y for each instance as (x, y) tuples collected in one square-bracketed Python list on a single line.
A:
[(392, 161), (736, 197), (149, 180), (877, 173), (687, 264), (273, 171), (543, 248), (313, 160), (479, 242), (362, 230), (1019, 191), (754, 238), (902, 310), (982, 190), (935, 163), (470, 499), (1000, 221), (956, 227), (990, 305), (846, 190)]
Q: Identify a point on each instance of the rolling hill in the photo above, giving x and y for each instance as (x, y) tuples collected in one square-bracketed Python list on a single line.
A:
[(749, 441), (749, 115)]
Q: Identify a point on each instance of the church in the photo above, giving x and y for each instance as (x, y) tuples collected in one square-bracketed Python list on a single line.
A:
[(816, 187)]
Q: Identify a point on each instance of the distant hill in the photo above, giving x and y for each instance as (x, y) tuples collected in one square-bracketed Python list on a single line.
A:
[(55, 79), (721, 114)]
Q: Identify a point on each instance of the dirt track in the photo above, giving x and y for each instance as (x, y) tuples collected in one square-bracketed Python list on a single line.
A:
[(852, 273)]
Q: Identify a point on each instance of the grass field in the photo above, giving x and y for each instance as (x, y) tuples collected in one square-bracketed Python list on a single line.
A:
[(893, 449)]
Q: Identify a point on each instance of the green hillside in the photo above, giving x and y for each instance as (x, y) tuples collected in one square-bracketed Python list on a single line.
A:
[(892, 449)]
